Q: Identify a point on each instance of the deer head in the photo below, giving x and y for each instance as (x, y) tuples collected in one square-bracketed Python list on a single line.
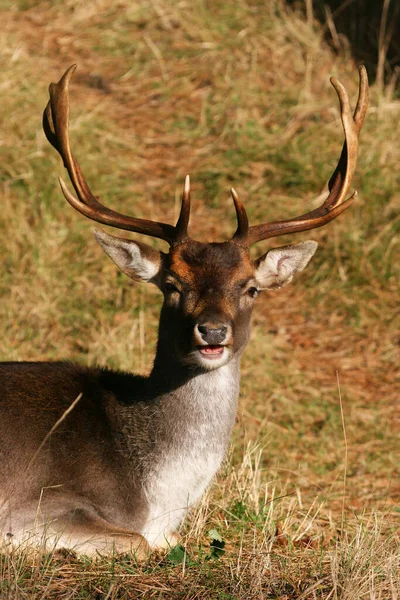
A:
[(209, 288)]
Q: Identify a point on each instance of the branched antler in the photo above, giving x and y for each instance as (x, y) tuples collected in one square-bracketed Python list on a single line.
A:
[(339, 183), (55, 124)]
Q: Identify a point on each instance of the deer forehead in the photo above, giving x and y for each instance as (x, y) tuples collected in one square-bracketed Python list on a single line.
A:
[(215, 265)]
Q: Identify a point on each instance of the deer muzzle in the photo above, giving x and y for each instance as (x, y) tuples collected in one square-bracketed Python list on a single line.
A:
[(212, 338)]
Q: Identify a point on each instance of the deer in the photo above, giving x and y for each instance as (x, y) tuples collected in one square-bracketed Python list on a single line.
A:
[(94, 460)]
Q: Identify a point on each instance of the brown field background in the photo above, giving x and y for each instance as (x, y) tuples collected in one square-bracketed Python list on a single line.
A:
[(235, 94)]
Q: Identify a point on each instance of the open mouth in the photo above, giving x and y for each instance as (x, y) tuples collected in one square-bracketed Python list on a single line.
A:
[(211, 351)]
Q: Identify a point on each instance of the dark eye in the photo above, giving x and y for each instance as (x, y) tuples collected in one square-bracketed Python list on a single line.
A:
[(170, 287), (253, 292)]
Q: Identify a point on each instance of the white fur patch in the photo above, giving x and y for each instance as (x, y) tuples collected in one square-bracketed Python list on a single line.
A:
[(144, 268), (128, 257), (278, 266), (180, 478)]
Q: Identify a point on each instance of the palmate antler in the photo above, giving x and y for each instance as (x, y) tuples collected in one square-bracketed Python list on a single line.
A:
[(55, 124)]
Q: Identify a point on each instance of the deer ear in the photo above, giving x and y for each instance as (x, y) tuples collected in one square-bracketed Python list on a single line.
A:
[(139, 261), (278, 266)]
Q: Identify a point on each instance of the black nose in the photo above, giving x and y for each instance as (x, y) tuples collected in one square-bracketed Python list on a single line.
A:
[(212, 334)]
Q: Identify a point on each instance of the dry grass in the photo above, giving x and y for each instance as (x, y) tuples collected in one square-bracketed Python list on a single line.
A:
[(271, 545), (235, 94)]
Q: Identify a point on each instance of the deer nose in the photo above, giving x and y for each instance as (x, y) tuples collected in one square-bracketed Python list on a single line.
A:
[(212, 334)]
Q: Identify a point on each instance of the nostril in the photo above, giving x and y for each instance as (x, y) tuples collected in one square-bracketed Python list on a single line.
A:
[(203, 329), (213, 335)]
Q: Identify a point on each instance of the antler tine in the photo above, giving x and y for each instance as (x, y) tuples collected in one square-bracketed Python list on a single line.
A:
[(362, 102), (181, 227), (55, 125), (340, 181), (241, 215)]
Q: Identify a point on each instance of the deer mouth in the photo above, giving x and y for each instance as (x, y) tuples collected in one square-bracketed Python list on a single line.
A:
[(211, 351)]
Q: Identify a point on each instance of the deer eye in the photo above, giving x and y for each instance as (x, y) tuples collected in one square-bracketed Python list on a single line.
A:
[(253, 292), (170, 287)]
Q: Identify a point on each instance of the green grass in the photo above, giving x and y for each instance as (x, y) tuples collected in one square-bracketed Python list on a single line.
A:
[(236, 95)]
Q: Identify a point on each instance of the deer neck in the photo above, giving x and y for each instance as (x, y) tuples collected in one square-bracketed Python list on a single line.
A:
[(171, 375), (194, 385), (193, 394)]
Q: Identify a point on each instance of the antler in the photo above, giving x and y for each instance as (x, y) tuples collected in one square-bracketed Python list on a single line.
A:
[(339, 183), (55, 125)]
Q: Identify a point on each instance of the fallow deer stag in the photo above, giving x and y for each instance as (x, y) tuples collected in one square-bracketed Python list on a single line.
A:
[(95, 460)]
